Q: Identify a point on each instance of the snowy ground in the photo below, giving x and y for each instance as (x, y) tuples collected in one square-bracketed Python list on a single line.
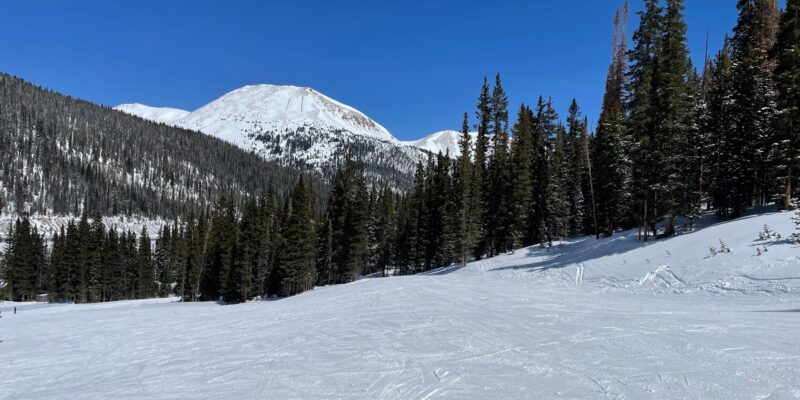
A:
[(587, 319)]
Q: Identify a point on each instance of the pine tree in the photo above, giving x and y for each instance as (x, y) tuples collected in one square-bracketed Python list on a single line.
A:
[(720, 125), (753, 101), (612, 165), (574, 165), (356, 227), (466, 224), (83, 257), (444, 214), (97, 268), (544, 132), (220, 257), (641, 107), (161, 260), (787, 78), (145, 276), (498, 185), (240, 279), (22, 261), (558, 206), (521, 170), (674, 117), (483, 115), (297, 255)]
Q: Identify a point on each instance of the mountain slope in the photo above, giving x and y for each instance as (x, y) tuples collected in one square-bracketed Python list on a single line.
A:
[(253, 110), (300, 127), (519, 326), (158, 114), (61, 156), (446, 142)]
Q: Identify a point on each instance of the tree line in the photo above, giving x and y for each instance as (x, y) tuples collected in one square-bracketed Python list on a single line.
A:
[(672, 141)]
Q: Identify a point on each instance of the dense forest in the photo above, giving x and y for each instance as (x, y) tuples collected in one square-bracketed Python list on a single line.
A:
[(62, 156), (673, 140)]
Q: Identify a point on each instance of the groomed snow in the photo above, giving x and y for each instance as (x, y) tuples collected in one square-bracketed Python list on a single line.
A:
[(585, 319)]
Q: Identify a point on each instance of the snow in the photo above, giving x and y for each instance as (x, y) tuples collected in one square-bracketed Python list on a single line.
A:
[(446, 142), (240, 115), (165, 115), (586, 318), (255, 109)]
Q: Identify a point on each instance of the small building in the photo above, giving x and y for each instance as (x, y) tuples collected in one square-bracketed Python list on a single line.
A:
[(42, 298)]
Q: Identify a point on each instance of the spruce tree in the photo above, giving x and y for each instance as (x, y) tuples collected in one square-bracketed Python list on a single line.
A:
[(145, 276), (575, 168), (466, 229), (220, 253), (753, 101), (298, 252), (521, 170), (611, 160), (498, 185), (674, 117), (787, 78), (558, 206), (483, 116), (720, 125)]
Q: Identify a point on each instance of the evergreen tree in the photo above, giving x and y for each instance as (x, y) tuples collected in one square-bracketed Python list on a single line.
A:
[(297, 254), (521, 169), (145, 276), (558, 206), (497, 197), (23, 261), (480, 175), (753, 101), (787, 79), (673, 128), (575, 164), (612, 164), (220, 257), (463, 190), (96, 267), (720, 125)]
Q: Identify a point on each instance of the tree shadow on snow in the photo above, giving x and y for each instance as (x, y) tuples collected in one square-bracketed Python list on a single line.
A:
[(579, 250)]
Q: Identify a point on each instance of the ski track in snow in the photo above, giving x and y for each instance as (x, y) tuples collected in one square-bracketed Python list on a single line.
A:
[(588, 319)]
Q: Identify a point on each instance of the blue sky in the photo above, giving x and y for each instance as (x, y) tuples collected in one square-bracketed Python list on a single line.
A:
[(413, 66)]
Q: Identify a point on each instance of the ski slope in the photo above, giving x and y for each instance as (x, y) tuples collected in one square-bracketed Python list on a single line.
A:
[(612, 318)]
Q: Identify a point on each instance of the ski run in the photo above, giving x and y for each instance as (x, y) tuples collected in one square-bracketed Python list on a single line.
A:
[(611, 318)]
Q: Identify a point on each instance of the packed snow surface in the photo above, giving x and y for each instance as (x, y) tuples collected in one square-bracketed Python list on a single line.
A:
[(446, 142), (611, 318)]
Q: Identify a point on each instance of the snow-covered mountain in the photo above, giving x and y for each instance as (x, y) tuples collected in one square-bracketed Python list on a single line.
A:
[(255, 109), (296, 126), (446, 142), (159, 114)]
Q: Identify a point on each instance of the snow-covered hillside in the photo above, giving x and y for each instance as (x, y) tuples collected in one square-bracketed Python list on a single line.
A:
[(301, 126), (159, 114), (611, 318), (253, 110), (446, 142)]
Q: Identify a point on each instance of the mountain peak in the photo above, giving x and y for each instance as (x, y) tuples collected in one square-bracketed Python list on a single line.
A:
[(446, 142)]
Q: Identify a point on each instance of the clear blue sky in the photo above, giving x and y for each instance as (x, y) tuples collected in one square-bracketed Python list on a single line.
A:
[(413, 66)]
